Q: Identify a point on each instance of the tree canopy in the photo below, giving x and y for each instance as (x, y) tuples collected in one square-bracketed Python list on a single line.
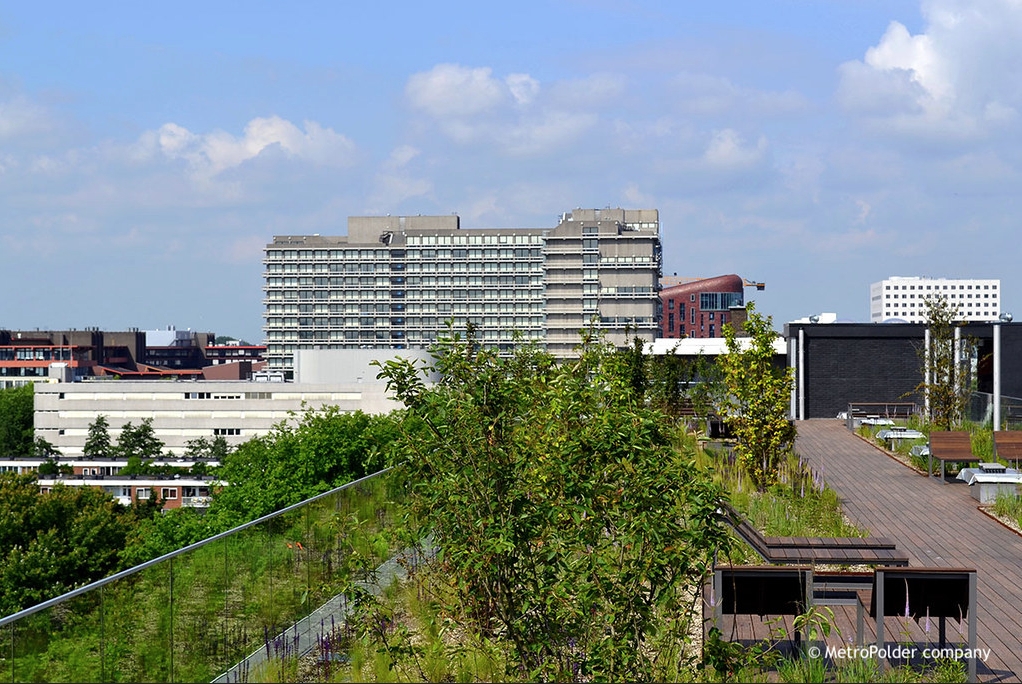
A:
[(313, 453), (17, 433), (754, 399), (944, 382), (568, 519), (53, 542)]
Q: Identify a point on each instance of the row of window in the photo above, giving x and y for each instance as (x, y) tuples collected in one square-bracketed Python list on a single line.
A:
[(398, 307), (943, 296), (523, 292), (415, 321), (938, 287)]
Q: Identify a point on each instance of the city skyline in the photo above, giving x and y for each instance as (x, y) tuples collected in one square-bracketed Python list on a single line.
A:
[(148, 154)]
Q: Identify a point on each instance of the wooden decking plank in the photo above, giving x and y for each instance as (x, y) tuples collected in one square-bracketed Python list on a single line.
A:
[(935, 524)]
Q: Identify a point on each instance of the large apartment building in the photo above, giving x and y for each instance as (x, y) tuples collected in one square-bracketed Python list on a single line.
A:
[(395, 282), (901, 297)]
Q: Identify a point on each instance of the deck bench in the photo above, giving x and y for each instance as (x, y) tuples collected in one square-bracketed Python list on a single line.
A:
[(934, 592), (1008, 445), (761, 590), (816, 550), (949, 447)]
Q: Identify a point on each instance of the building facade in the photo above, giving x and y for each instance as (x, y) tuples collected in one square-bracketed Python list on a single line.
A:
[(699, 308), (903, 298), (835, 364), (395, 282), (181, 411)]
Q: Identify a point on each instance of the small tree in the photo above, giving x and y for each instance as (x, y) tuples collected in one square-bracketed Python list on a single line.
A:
[(97, 443), (755, 399), (942, 371), (16, 421), (570, 523)]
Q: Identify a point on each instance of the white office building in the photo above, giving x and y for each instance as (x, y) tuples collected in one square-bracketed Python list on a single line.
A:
[(902, 298), (395, 282)]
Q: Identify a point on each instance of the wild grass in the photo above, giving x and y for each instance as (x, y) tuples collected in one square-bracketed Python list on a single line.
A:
[(192, 617), (1009, 506)]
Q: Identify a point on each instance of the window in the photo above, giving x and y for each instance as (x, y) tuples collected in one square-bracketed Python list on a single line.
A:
[(226, 431), (142, 493), (168, 493)]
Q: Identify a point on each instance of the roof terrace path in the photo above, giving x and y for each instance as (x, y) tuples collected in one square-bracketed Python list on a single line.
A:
[(936, 525)]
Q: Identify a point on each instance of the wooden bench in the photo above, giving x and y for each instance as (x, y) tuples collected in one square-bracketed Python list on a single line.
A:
[(949, 447), (920, 593), (1008, 445), (893, 410), (816, 550), (760, 590)]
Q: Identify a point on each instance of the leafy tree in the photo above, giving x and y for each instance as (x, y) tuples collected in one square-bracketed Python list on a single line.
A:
[(318, 451), (215, 449), (138, 446), (41, 448), (941, 369), (568, 522), (754, 399), (16, 421), (50, 543), (97, 442)]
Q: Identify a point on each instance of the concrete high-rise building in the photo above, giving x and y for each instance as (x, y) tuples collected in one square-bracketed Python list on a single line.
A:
[(395, 282), (902, 298)]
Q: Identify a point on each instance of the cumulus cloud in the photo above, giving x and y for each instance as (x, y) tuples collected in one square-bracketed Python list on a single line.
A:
[(957, 79), (212, 153), (471, 105), (454, 90), (20, 116), (523, 87), (727, 150)]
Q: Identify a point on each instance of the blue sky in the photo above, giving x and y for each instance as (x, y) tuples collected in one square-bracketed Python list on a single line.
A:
[(147, 153)]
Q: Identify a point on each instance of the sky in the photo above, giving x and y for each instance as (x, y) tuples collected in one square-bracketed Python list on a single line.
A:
[(148, 152)]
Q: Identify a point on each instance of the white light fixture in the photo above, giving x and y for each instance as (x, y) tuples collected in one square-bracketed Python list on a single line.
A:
[(1005, 317)]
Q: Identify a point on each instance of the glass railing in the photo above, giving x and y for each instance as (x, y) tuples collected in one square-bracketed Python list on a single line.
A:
[(223, 609)]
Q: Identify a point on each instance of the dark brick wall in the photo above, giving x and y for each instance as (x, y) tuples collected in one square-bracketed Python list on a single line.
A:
[(842, 370), (864, 362)]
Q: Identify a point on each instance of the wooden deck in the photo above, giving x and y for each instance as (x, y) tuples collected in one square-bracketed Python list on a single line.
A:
[(936, 525)]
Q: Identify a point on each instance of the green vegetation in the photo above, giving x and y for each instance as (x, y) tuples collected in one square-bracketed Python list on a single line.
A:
[(572, 527), (942, 370), (51, 543), (191, 618), (753, 399), (576, 522), (17, 437)]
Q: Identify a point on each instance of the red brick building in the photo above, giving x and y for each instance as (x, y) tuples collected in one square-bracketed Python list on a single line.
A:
[(699, 308)]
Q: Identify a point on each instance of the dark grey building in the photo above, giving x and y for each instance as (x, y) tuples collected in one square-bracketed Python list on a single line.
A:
[(839, 363)]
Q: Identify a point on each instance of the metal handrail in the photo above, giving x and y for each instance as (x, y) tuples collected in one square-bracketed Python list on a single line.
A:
[(14, 617)]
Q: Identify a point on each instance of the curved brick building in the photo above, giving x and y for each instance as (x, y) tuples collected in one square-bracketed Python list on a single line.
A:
[(699, 308)]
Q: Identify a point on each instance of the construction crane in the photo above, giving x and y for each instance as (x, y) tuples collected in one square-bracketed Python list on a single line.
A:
[(750, 283)]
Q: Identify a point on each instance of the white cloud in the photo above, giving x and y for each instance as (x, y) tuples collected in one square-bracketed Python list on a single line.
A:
[(727, 150), (210, 154), (401, 155), (524, 88), (472, 106), (548, 131), (454, 90), (19, 116), (956, 80)]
